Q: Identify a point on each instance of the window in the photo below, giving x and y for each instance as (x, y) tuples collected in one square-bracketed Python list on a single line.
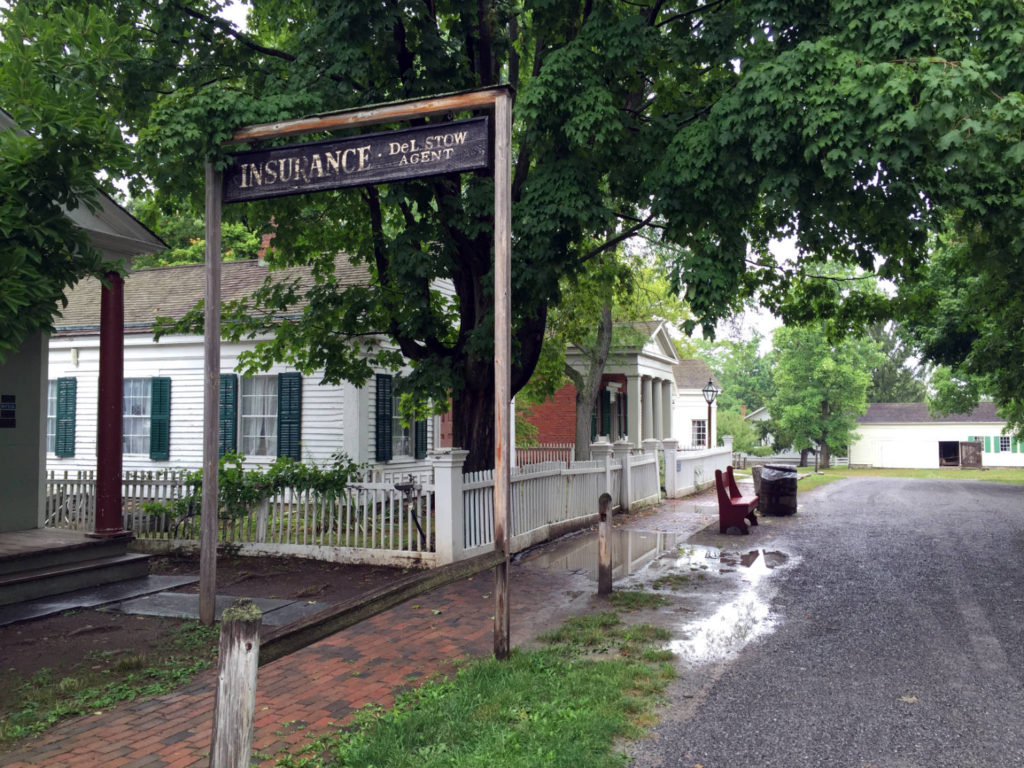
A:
[(264, 418), (700, 432), (1004, 443), (51, 416), (402, 437), (258, 416), (146, 417), (135, 416), (392, 439)]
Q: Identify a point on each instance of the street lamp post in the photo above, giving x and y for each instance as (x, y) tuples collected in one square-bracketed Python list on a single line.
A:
[(710, 392)]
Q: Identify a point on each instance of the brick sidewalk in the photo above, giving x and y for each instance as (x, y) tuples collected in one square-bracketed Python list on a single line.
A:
[(298, 696)]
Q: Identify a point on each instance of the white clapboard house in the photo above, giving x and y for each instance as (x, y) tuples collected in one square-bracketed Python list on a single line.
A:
[(277, 413)]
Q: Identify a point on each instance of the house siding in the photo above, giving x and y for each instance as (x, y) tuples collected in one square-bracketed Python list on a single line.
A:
[(916, 446), (180, 358)]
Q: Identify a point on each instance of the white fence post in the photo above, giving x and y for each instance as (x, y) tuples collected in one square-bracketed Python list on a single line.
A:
[(601, 451), (651, 445), (622, 448), (671, 446), (448, 505)]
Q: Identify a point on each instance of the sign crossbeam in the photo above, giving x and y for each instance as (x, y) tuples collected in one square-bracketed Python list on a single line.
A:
[(484, 98)]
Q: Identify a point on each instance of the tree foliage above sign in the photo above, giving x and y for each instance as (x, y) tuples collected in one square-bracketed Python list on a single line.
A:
[(851, 126)]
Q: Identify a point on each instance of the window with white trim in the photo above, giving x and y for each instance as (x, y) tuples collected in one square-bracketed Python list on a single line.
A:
[(1004, 443), (700, 432), (402, 436), (135, 417), (51, 415), (258, 416)]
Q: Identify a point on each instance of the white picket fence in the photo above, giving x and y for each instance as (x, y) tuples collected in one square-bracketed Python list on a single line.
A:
[(383, 519), (372, 521)]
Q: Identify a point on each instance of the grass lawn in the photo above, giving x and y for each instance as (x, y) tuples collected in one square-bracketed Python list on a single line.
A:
[(565, 706), (993, 475)]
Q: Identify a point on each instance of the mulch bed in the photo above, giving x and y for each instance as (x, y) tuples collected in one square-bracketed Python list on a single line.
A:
[(63, 643)]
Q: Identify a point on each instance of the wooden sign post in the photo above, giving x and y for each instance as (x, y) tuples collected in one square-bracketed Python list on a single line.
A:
[(442, 147)]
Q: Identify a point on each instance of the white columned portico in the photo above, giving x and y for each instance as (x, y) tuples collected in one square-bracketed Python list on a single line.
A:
[(633, 405), (666, 408), (657, 419), (647, 412)]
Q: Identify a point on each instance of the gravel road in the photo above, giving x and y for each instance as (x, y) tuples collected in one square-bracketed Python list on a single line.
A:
[(897, 642)]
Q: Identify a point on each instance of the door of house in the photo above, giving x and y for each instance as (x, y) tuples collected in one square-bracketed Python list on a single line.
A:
[(970, 454)]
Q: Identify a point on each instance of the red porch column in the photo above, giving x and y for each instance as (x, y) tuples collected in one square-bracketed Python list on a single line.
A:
[(109, 422)]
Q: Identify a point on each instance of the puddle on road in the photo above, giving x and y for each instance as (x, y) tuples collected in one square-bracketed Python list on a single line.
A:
[(733, 618), (632, 551), (738, 621)]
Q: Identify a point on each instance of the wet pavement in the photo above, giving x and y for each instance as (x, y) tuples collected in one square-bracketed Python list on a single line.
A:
[(718, 593), (888, 637)]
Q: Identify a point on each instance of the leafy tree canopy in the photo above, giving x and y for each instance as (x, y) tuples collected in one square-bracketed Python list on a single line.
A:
[(849, 125), (53, 89), (966, 316), (896, 379), (185, 234), (820, 387), (744, 374)]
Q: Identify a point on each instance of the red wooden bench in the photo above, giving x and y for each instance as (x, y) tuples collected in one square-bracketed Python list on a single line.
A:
[(733, 509)]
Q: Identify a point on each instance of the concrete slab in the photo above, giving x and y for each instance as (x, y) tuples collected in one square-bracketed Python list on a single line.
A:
[(179, 605), (90, 598)]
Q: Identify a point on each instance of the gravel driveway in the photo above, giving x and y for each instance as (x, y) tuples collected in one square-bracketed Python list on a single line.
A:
[(898, 639)]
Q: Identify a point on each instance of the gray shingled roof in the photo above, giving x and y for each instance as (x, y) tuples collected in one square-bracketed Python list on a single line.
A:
[(172, 291), (693, 374), (917, 413)]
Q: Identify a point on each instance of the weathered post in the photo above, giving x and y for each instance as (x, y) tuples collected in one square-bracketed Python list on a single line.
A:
[(604, 545), (211, 400), (234, 708)]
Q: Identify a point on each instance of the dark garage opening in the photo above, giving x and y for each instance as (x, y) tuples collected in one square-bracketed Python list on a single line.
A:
[(949, 453)]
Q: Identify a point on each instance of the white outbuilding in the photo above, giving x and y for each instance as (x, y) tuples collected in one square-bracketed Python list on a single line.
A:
[(906, 435)]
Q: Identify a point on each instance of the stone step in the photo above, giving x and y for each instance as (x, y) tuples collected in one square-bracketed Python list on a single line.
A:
[(42, 548), (43, 581)]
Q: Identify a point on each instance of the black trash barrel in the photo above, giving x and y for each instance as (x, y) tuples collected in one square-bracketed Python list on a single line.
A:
[(778, 490)]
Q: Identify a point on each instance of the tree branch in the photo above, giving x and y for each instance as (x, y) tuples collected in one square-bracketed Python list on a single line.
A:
[(624, 235), (229, 29), (692, 12)]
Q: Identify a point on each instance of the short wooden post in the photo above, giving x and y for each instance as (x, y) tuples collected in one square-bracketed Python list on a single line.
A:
[(234, 708), (604, 545)]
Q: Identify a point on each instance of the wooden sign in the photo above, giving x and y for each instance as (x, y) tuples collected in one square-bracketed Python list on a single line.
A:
[(358, 160)]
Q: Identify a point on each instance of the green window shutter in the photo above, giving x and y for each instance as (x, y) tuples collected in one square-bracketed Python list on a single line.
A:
[(160, 418), (996, 443), (1013, 445), (384, 415), (67, 396), (228, 416), (421, 439), (593, 423), (988, 444), (624, 410), (289, 415), (606, 412)]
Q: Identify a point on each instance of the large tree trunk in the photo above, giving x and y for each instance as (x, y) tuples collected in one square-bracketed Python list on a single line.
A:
[(473, 416), (473, 405)]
